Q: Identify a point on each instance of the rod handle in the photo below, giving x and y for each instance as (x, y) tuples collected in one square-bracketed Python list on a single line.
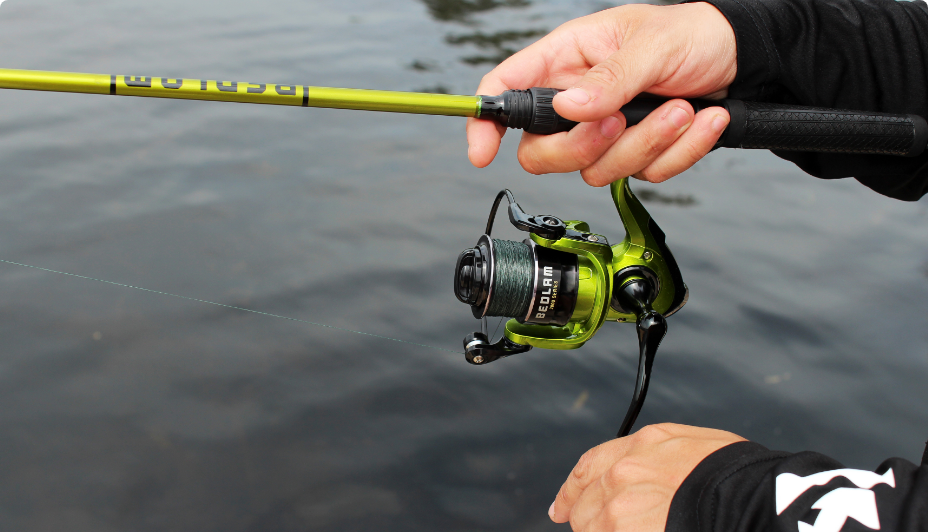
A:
[(812, 129), (772, 126), (754, 125)]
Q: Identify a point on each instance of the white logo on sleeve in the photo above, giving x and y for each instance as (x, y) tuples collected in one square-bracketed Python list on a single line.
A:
[(839, 504)]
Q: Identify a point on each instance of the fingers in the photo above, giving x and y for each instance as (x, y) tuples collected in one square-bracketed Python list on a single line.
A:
[(483, 140), (612, 83), (591, 467), (641, 144), (484, 136), (664, 144), (574, 150), (694, 144), (527, 68)]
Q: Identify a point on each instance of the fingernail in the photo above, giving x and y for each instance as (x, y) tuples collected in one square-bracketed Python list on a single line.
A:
[(578, 96), (679, 117), (551, 511), (718, 124), (610, 126)]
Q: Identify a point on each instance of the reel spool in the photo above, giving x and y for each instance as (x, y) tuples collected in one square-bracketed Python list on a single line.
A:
[(563, 282)]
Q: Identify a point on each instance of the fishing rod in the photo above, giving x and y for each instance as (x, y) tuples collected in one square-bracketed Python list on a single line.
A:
[(753, 125), (564, 282)]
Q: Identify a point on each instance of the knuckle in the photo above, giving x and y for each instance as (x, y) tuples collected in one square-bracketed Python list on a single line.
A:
[(584, 467), (666, 429), (594, 177), (653, 433), (654, 430), (651, 175), (693, 152), (583, 155), (575, 524), (692, 156), (684, 156), (653, 143), (615, 475), (530, 162), (615, 509), (609, 73)]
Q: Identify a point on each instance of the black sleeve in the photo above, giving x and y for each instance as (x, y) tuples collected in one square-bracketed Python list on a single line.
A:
[(866, 55), (745, 487)]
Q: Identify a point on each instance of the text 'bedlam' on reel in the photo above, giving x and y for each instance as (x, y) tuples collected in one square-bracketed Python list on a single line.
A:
[(563, 282)]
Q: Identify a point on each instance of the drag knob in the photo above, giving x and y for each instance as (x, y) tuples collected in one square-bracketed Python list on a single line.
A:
[(472, 275)]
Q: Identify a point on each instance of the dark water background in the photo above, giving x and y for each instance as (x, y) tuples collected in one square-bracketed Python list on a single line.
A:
[(123, 410)]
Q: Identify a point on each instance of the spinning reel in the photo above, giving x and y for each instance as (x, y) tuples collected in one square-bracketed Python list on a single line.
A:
[(563, 282)]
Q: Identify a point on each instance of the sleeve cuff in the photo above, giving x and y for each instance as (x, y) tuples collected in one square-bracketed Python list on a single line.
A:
[(758, 63), (692, 508)]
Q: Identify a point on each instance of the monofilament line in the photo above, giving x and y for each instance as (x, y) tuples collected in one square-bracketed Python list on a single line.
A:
[(342, 329)]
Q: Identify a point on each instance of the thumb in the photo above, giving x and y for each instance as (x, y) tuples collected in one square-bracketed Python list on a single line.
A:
[(609, 85)]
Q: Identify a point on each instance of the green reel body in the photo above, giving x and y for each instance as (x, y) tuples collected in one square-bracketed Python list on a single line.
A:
[(564, 282), (642, 253)]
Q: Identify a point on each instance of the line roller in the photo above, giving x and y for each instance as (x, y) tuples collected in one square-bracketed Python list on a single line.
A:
[(562, 283)]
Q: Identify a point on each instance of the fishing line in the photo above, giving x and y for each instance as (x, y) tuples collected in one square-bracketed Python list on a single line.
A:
[(342, 329), (498, 325), (512, 283)]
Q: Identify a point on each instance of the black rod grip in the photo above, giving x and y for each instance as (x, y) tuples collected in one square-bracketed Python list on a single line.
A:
[(754, 125), (771, 126), (812, 129)]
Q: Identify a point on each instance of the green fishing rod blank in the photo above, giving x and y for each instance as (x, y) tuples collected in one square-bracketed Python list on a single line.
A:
[(530, 109), (242, 92)]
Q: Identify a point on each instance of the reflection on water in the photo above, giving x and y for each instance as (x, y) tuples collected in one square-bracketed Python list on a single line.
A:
[(462, 11), (651, 195), (499, 44), (502, 43), (420, 65), (435, 89)]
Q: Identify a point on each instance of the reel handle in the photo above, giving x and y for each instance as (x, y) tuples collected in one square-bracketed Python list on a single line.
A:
[(754, 125), (638, 293), (651, 330)]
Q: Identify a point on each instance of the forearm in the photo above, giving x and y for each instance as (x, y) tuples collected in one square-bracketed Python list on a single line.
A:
[(851, 54), (869, 55)]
